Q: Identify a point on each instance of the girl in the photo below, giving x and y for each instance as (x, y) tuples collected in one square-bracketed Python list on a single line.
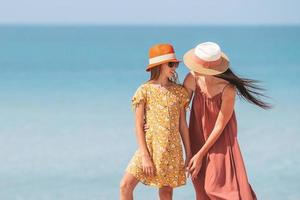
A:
[(161, 104), (217, 166)]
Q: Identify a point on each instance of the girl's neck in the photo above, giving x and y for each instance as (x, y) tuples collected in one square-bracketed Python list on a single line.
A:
[(162, 80)]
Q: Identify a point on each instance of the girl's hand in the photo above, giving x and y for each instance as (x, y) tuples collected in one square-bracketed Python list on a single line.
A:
[(148, 166), (195, 166)]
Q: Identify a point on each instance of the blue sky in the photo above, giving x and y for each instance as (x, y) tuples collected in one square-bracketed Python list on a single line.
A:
[(150, 12)]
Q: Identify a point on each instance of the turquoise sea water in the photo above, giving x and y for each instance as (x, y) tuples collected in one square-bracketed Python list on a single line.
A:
[(66, 125)]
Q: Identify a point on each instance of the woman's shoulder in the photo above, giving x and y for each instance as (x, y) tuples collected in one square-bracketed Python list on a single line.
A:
[(189, 76), (189, 81)]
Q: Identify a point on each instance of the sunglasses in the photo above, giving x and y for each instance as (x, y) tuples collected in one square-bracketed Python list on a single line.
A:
[(172, 64)]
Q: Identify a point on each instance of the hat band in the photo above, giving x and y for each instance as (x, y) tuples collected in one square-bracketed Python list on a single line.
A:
[(207, 64), (162, 58)]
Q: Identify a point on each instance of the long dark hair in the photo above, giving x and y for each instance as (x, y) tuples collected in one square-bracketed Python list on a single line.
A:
[(247, 88)]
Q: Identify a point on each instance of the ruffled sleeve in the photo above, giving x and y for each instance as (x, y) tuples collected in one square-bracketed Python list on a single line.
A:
[(139, 97), (184, 98)]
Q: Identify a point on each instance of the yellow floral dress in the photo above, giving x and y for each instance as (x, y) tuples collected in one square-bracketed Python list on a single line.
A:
[(162, 111)]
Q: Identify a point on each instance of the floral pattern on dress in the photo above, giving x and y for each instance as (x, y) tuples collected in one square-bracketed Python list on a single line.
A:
[(162, 111)]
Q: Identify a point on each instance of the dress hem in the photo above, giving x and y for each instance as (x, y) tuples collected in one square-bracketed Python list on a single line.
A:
[(153, 184)]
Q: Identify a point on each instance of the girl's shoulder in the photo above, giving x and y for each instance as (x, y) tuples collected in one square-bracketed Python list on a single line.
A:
[(139, 96), (180, 88), (149, 86), (143, 86)]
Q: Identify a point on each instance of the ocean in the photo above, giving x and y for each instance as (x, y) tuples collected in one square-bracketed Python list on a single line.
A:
[(66, 123)]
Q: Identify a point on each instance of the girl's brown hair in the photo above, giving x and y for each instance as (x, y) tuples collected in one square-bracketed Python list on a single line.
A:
[(247, 88), (155, 73)]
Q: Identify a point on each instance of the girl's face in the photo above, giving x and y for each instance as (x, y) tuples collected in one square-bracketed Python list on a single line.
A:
[(168, 69)]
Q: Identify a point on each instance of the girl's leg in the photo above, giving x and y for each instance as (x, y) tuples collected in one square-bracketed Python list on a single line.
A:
[(127, 185), (165, 193)]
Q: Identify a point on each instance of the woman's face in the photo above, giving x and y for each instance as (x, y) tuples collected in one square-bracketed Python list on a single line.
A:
[(168, 69)]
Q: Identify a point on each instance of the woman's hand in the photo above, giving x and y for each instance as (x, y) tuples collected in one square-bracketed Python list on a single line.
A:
[(146, 127), (195, 166), (148, 166)]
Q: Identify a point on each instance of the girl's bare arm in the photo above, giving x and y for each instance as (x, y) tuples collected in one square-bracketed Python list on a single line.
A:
[(147, 164)]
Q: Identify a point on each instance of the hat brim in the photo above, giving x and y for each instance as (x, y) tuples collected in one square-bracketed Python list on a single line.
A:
[(159, 63), (199, 68)]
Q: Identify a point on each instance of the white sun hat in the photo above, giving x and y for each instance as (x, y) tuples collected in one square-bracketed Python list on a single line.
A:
[(207, 59)]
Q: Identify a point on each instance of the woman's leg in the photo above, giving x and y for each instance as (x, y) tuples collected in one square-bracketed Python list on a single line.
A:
[(165, 193), (127, 185), (199, 189)]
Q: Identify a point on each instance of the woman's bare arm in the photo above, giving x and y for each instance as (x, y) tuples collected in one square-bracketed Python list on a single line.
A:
[(189, 84), (224, 115), (184, 132)]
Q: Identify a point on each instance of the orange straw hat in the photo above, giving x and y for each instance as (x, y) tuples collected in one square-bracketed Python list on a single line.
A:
[(159, 54), (207, 59)]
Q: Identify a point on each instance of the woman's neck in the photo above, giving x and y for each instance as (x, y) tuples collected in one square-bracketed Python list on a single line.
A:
[(208, 80)]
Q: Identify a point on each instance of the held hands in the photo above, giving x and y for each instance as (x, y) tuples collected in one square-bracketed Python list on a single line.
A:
[(194, 166), (148, 166), (186, 164), (188, 157)]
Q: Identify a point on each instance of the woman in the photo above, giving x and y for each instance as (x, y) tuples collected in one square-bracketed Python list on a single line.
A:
[(161, 103), (217, 167)]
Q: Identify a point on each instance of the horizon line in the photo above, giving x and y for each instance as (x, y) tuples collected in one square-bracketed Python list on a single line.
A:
[(148, 24)]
